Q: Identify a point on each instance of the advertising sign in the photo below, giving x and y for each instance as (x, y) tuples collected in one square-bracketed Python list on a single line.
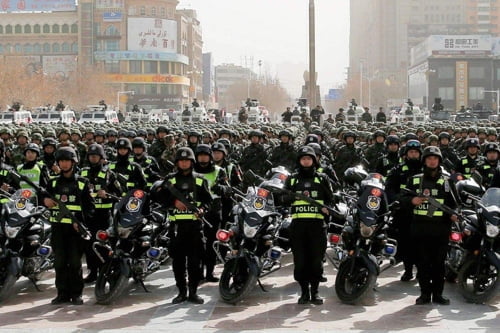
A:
[(59, 65), (9, 6), (152, 34), (111, 16), (148, 78), (105, 4), (462, 84), (460, 44)]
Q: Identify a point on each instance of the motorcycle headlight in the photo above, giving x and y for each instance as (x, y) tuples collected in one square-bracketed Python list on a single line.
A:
[(11, 232), (491, 230), (365, 230), (123, 232), (249, 231)]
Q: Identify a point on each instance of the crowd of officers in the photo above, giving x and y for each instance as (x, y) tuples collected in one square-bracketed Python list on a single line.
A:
[(84, 167)]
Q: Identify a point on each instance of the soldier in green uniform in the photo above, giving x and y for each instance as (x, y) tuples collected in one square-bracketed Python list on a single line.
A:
[(16, 154)]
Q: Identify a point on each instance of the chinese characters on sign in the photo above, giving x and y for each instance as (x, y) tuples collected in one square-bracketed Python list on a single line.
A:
[(149, 34), (461, 88), (461, 43), (7, 6)]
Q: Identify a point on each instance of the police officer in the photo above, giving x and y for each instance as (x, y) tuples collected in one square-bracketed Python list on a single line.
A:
[(168, 156), (7, 181), (158, 146), (66, 242), (380, 117), (472, 159), (376, 150), (102, 182), (395, 183), (129, 173), (487, 168), (284, 154), (186, 239), (49, 146), (148, 163), (390, 159), (431, 226), (15, 156), (219, 187), (35, 171), (348, 155), (308, 228), (254, 156), (450, 157)]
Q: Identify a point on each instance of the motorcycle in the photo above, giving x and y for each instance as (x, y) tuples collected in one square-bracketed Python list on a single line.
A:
[(25, 238), (478, 278), (253, 239), (369, 250), (134, 246)]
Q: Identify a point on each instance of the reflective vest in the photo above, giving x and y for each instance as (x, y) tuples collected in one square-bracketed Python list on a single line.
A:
[(211, 178), (32, 174), (179, 215), (144, 164), (70, 202), (99, 203), (3, 175), (128, 184), (423, 209), (302, 209)]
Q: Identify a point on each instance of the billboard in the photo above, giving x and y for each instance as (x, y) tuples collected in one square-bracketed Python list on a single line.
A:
[(59, 65), (152, 34), (9, 6), (112, 16), (459, 44), (461, 84)]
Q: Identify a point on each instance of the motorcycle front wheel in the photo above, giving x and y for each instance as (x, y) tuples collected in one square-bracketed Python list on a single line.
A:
[(111, 282), (236, 281), (478, 280), (352, 287)]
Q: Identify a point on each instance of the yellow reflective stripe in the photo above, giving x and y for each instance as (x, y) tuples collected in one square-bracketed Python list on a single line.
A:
[(199, 181), (402, 186), (405, 168), (149, 184), (416, 180), (101, 174), (81, 185), (4, 200), (424, 212), (184, 217), (130, 185), (103, 206), (440, 181), (464, 162), (63, 220), (307, 216), (84, 173), (172, 181), (302, 202)]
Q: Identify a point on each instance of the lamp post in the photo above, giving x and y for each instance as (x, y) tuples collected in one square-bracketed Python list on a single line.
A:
[(131, 92), (312, 56), (497, 92)]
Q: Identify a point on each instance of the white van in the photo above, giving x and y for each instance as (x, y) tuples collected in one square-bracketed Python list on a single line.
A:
[(99, 117), (68, 117), (6, 117), (47, 117), (22, 117), (159, 115)]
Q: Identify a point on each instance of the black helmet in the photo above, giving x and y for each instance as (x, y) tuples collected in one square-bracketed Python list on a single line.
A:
[(111, 132), (225, 131), (141, 132), (348, 134), (312, 138), (472, 142), (139, 142), (203, 149), (491, 147), (161, 128), (219, 146), (444, 135), (33, 147), (379, 133), (307, 151), (226, 144), (49, 142), (255, 133), (285, 133), (123, 143), (316, 147), (96, 149), (66, 154), (194, 133), (410, 136), (99, 132), (184, 153), (413, 144), (392, 139), (432, 151)]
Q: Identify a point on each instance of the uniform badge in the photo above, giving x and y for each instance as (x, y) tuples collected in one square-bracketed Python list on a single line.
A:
[(133, 204), (426, 192), (373, 202), (307, 184), (306, 193), (64, 198), (21, 203), (185, 186), (258, 203)]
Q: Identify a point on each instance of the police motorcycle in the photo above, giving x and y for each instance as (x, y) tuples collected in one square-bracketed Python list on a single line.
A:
[(25, 240), (134, 246), (369, 250), (456, 254), (255, 238), (478, 278)]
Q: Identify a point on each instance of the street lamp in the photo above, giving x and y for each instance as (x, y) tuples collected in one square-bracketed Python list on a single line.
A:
[(497, 92), (131, 92)]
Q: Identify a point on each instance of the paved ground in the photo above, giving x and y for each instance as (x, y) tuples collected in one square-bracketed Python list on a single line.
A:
[(390, 309)]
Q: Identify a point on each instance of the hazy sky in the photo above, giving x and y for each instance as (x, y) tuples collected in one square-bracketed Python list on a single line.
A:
[(276, 32)]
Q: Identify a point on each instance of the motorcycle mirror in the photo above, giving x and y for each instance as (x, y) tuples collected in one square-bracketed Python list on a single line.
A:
[(396, 205), (249, 177)]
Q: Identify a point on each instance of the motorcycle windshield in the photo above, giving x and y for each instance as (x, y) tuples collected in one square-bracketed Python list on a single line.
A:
[(131, 208), (259, 200), (253, 219), (491, 197), (20, 206)]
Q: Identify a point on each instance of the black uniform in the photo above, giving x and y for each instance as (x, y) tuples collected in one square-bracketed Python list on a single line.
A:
[(131, 175), (430, 231), (284, 155), (65, 241), (254, 158), (308, 228)]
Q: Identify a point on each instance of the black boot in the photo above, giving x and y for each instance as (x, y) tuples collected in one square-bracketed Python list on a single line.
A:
[(306, 295), (91, 277), (423, 299), (60, 299), (315, 299), (440, 299), (209, 277), (193, 298), (181, 297)]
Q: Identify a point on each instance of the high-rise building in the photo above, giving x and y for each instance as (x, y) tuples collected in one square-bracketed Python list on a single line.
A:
[(484, 15), (208, 78), (149, 48)]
